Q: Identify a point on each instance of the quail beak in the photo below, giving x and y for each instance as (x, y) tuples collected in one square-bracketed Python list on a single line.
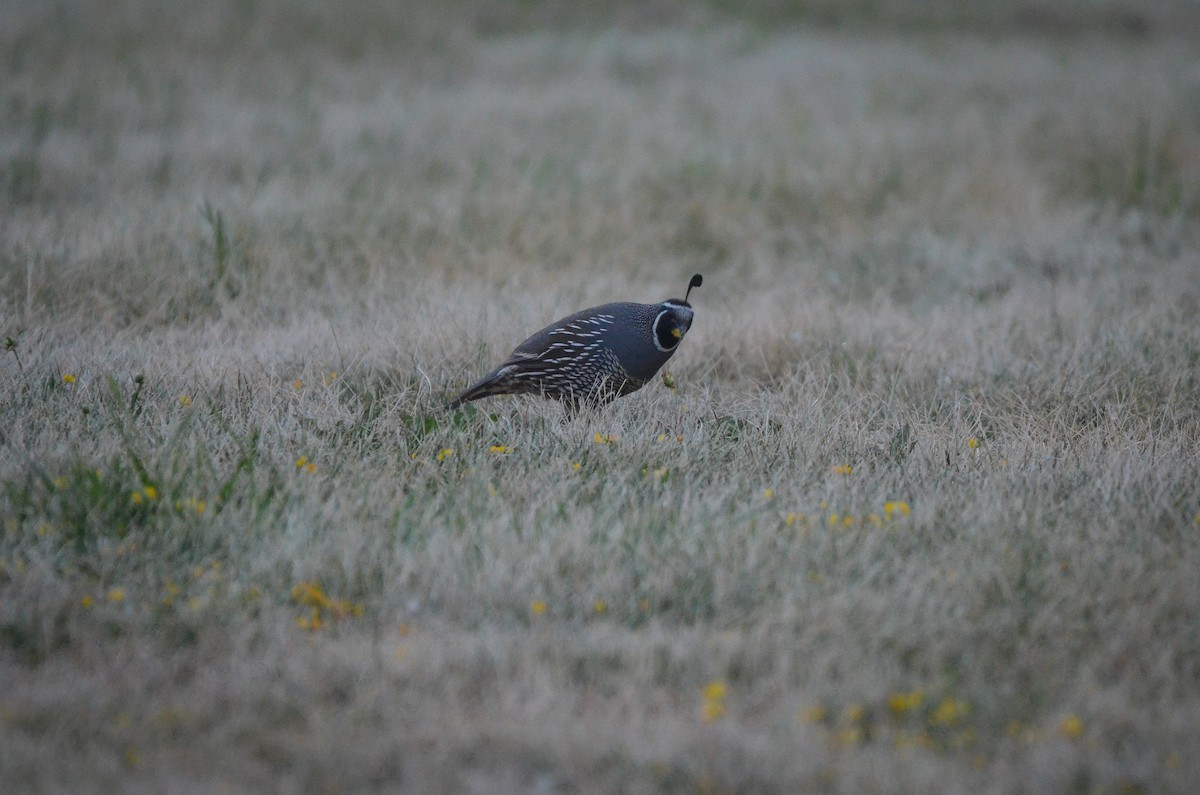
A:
[(677, 333)]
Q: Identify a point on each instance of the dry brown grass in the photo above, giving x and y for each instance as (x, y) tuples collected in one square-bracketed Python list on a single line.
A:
[(957, 257)]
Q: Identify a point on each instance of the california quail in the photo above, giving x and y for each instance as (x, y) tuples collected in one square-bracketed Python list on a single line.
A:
[(593, 356)]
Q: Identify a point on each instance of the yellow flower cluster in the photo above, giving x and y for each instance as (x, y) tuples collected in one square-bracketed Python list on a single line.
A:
[(604, 438), (320, 607), (499, 449), (843, 469), (308, 466), (68, 378), (537, 607), (891, 510), (444, 453), (915, 721), (147, 494)]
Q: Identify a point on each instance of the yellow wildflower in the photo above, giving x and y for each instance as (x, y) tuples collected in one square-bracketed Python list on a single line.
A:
[(185, 400), (603, 438), (575, 465), (843, 469), (87, 601), (768, 493), (537, 607), (311, 593), (891, 508), (68, 378), (714, 700), (972, 442), (854, 713), (950, 711), (1070, 727), (901, 703), (444, 453), (311, 622), (499, 449), (297, 384), (151, 493), (599, 607), (116, 595)]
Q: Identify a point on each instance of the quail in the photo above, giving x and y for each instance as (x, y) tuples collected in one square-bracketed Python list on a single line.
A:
[(593, 356)]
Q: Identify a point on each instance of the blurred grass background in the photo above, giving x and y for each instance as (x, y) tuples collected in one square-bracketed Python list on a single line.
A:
[(922, 514)]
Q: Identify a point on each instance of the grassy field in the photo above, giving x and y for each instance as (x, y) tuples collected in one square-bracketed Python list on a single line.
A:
[(922, 514)]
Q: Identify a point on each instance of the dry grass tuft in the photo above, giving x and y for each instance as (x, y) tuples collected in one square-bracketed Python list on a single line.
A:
[(923, 514)]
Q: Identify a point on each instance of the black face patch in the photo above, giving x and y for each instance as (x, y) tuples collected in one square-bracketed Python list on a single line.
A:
[(669, 328)]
